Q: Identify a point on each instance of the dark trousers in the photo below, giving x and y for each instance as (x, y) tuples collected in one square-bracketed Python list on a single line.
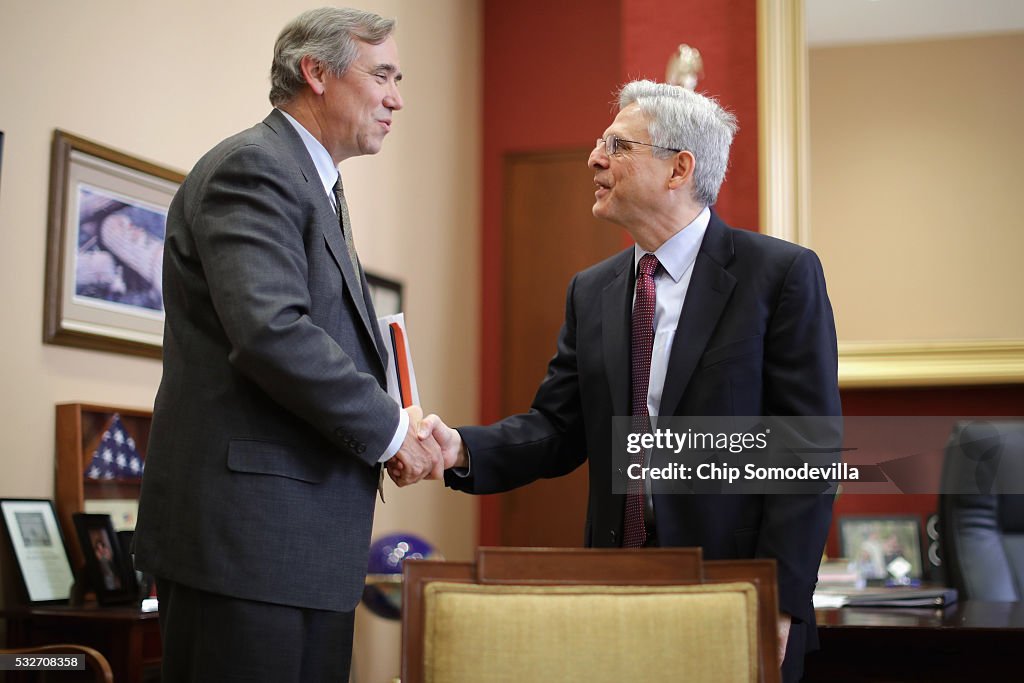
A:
[(210, 637), (793, 664)]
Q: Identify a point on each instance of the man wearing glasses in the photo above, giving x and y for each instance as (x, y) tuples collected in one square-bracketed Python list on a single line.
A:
[(696, 319)]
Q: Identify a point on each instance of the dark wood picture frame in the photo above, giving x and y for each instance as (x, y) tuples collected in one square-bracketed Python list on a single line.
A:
[(385, 293), (80, 428), (104, 245), (107, 565)]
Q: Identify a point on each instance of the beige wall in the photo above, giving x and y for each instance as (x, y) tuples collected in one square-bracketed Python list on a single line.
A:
[(166, 81), (915, 187)]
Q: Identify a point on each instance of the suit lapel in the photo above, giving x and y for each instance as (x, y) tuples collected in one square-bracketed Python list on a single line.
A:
[(327, 220), (336, 245), (616, 302), (710, 288)]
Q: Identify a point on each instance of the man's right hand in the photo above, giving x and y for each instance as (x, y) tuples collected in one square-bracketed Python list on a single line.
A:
[(418, 458), (453, 451)]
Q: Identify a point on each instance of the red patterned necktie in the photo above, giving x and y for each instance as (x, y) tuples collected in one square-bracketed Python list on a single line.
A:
[(635, 535)]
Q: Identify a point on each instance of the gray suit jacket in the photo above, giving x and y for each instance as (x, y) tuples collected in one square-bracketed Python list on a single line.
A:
[(261, 470)]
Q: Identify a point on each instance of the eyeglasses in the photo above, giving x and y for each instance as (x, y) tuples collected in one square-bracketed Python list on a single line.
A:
[(612, 144)]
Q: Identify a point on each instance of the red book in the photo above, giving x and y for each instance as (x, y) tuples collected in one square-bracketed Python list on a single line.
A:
[(401, 363)]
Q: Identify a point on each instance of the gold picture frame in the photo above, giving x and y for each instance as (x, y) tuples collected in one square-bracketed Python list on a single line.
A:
[(104, 251)]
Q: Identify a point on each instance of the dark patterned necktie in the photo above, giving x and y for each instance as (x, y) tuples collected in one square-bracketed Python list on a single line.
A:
[(635, 535), (346, 231)]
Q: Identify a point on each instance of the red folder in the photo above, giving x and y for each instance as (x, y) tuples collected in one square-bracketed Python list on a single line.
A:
[(401, 364)]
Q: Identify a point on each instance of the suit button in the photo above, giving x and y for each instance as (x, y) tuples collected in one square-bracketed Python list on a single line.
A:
[(613, 535), (361, 449)]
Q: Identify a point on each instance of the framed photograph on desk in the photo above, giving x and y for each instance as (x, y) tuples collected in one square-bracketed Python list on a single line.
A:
[(883, 548), (106, 563), (39, 548)]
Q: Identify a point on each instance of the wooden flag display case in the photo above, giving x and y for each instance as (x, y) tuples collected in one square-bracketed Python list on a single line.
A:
[(83, 429)]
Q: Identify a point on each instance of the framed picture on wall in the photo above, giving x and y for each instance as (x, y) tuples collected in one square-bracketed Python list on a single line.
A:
[(38, 546), (386, 294), (883, 549), (107, 219)]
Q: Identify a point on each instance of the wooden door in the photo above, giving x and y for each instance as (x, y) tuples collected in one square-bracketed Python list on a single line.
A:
[(549, 235)]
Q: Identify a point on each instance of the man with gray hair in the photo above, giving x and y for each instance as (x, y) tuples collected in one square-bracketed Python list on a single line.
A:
[(695, 319), (272, 419)]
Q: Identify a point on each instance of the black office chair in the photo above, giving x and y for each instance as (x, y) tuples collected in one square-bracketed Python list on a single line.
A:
[(981, 510)]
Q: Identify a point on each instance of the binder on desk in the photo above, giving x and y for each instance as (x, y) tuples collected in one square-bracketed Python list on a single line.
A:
[(934, 596)]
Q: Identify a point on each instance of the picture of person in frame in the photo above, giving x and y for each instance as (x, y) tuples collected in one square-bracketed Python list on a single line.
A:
[(883, 549), (120, 251), (33, 529), (104, 553)]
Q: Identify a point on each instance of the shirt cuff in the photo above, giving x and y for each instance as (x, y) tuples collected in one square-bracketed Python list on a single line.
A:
[(464, 472), (398, 438)]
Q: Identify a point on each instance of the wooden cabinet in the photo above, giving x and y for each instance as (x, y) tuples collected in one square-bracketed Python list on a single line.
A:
[(81, 428), (128, 638)]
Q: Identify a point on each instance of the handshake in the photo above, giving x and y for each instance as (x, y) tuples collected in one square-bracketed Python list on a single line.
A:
[(430, 447)]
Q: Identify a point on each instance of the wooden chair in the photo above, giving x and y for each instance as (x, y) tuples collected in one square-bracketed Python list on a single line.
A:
[(94, 661), (551, 614)]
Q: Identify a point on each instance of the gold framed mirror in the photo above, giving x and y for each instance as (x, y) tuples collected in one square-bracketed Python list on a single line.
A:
[(922, 252)]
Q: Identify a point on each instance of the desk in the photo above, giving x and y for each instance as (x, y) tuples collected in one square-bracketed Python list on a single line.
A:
[(129, 639), (968, 641)]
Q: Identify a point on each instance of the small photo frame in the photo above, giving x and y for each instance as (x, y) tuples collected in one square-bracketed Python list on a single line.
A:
[(39, 549), (106, 563), (386, 295), (104, 252), (883, 549)]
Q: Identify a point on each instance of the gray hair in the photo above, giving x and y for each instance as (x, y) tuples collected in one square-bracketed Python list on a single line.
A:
[(678, 118), (327, 34)]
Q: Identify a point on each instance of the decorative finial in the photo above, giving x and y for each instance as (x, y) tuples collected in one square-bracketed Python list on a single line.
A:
[(684, 66)]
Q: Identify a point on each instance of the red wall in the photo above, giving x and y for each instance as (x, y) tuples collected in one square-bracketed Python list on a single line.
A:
[(550, 69), (725, 32), (549, 72)]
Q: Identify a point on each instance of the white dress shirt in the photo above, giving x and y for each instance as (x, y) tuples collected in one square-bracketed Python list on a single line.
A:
[(671, 282)]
